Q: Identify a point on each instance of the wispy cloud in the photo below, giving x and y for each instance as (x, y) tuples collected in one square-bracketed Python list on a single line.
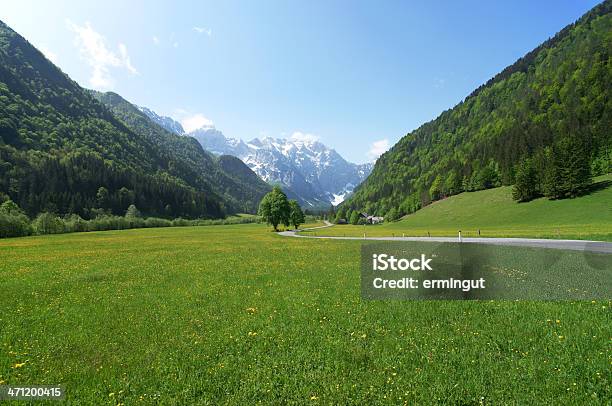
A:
[(101, 59), (195, 121), (202, 30), (126, 59), (304, 137), (378, 148), (155, 40)]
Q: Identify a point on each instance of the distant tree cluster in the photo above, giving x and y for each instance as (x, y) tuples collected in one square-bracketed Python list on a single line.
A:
[(276, 209), (543, 123), (84, 183), (14, 222), (556, 172)]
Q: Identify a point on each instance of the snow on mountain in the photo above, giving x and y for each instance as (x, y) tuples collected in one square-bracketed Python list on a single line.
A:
[(168, 123), (311, 172)]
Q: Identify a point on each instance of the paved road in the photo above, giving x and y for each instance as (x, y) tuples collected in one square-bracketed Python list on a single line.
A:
[(576, 245)]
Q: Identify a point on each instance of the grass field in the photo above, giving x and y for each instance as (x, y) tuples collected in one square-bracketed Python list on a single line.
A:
[(238, 315), (496, 215)]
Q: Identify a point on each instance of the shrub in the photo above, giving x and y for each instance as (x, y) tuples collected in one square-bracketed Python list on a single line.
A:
[(180, 222), (392, 215), (48, 223), (157, 222), (75, 224), (13, 221), (14, 226)]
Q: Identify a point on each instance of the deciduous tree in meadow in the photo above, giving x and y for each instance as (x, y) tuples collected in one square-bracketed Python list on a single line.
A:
[(296, 215), (274, 208)]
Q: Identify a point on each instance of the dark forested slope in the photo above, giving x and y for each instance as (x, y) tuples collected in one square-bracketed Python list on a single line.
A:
[(549, 108), (241, 189), (62, 150)]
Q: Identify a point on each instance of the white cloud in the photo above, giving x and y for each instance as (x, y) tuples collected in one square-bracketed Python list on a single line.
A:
[(175, 44), (378, 148), (126, 59), (202, 30), (192, 123), (155, 40), (304, 137), (96, 53), (52, 56)]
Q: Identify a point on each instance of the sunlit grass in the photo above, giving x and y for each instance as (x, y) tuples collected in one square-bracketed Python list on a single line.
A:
[(238, 315), (495, 214)]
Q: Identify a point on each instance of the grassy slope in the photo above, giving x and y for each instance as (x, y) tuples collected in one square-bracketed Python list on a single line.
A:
[(236, 314), (495, 213)]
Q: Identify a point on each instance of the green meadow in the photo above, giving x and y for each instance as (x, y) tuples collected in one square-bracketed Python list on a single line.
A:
[(495, 214), (238, 315)]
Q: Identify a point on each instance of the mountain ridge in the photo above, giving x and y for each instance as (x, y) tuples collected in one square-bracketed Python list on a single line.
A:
[(554, 98), (315, 173), (309, 171), (63, 151)]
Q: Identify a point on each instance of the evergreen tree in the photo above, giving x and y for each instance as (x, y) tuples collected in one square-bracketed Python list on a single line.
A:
[(577, 167), (568, 173), (525, 182)]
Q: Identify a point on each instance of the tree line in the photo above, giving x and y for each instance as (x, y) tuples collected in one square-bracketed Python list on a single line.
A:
[(14, 222), (556, 172)]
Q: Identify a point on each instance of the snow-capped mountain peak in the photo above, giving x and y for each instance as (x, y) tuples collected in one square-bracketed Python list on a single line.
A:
[(309, 171)]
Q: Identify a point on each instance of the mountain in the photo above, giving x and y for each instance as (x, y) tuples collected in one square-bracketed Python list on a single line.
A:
[(62, 150), (550, 109), (167, 123), (308, 171), (314, 174), (239, 186)]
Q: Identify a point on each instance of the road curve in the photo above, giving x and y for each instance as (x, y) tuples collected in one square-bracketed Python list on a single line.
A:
[(575, 245)]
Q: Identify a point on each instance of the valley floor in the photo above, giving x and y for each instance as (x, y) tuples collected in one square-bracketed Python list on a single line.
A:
[(238, 315)]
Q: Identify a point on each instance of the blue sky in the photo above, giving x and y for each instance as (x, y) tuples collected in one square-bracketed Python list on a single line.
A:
[(357, 75)]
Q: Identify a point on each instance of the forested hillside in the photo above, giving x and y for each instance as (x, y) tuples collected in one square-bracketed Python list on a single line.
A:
[(549, 116), (63, 151), (241, 188)]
